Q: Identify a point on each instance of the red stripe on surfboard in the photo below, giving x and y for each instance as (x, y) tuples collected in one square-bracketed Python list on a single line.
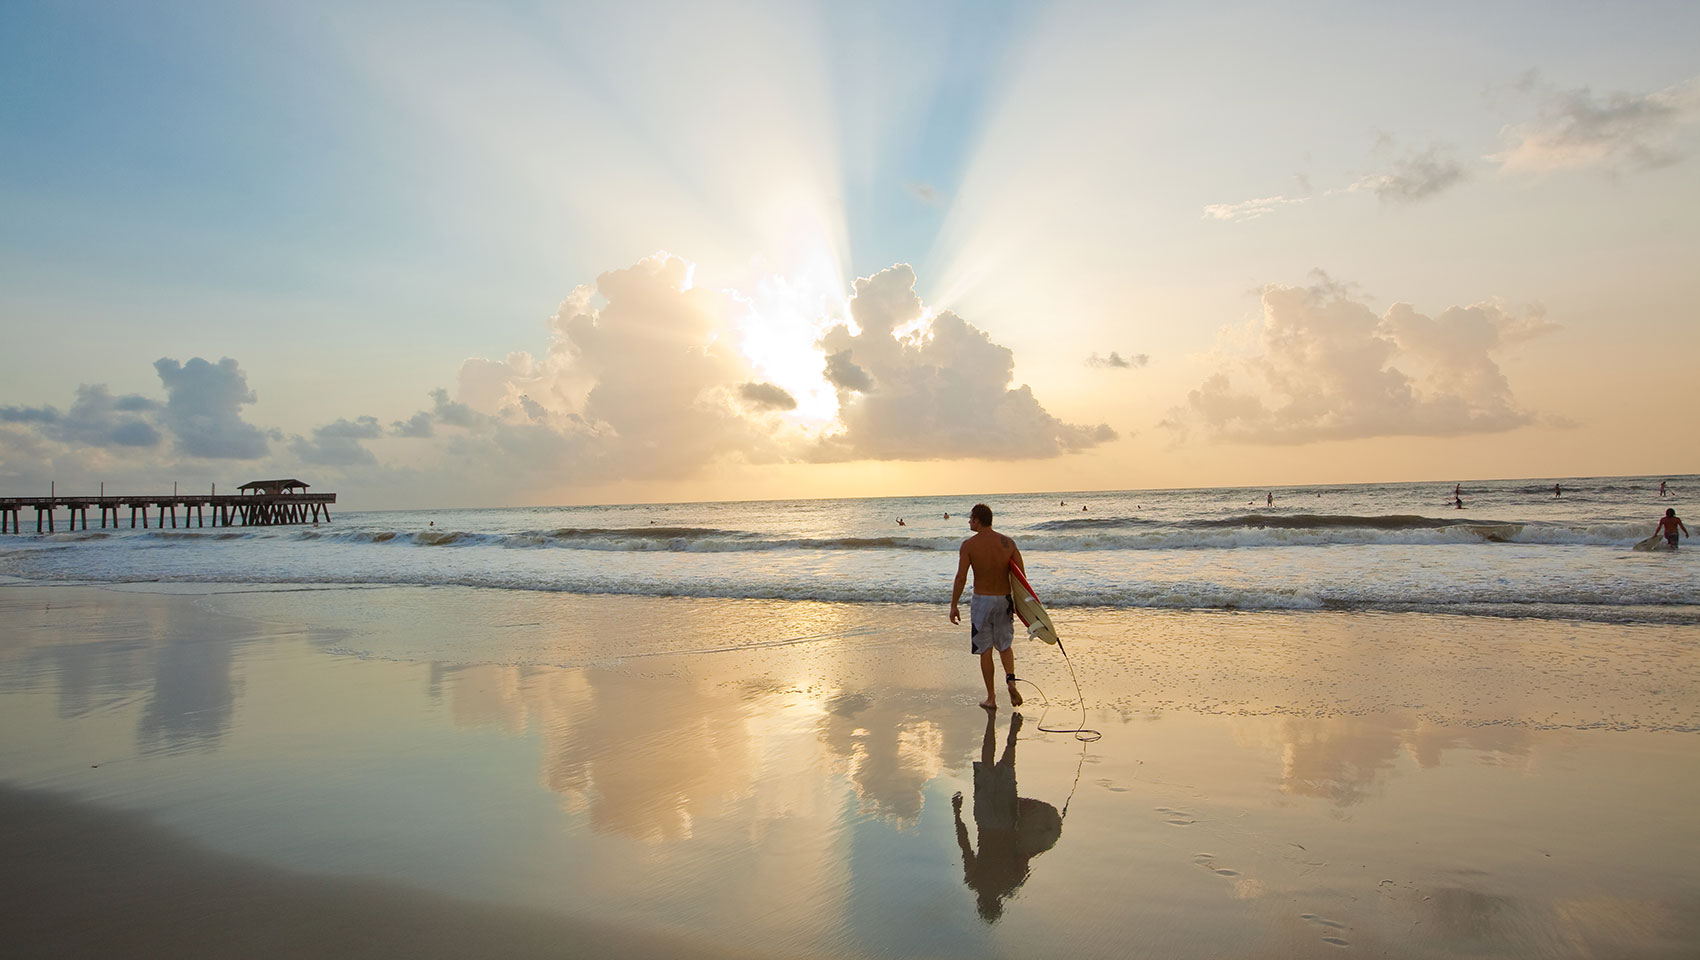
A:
[(1016, 571), (1022, 577)]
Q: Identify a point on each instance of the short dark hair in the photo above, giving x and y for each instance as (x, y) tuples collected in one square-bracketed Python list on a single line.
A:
[(982, 513)]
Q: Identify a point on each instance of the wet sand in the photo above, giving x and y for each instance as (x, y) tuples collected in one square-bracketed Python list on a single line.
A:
[(432, 772)]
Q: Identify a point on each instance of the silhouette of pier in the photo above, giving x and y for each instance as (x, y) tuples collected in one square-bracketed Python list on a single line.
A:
[(262, 503)]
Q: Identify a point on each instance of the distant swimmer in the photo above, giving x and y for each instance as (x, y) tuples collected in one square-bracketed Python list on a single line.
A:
[(1662, 487), (991, 613), (1270, 499), (1557, 491), (901, 523), (1458, 503), (1669, 525), (1082, 509), (947, 516)]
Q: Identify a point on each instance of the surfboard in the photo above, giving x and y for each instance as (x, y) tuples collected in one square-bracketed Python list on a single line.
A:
[(1654, 542), (1028, 607)]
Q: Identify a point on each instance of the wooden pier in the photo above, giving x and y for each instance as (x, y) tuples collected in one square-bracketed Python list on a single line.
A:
[(273, 502)]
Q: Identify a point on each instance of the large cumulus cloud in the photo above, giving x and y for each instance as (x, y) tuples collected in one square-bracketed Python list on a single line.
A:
[(203, 409), (640, 381), (913, 389), (1326, 367)]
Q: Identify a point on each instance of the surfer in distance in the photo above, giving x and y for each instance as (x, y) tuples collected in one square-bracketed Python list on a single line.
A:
[(991, 612), (1669, 524)]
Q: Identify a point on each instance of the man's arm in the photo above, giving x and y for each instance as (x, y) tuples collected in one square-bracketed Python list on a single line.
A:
[(961, 581), (1015, 558)]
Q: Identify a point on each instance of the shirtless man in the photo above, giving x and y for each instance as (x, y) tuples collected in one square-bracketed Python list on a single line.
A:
[(991, 613), (1669, 524)]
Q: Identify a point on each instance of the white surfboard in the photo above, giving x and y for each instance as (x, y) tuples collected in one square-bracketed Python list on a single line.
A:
[(1028, 607), (1654, 542)]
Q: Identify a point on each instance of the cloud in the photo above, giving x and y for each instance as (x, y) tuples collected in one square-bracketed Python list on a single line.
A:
[(640, 381), (1406, 178), (1116, 361), (418, 425), (1329, 368), (767, 396), (843, 373), (941, 392), (338, 443), (1574, 129), (203, 409), (1249, 209), (1415, 176), (96, 419), (926, 193)]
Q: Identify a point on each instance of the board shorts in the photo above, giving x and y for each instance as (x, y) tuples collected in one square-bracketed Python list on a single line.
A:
[(991, 623), (1670, 538)]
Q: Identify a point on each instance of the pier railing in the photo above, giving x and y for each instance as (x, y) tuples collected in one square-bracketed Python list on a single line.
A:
[(228, 510)]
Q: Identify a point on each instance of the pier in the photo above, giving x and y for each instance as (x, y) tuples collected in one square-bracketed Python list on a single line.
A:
[(263, 503)]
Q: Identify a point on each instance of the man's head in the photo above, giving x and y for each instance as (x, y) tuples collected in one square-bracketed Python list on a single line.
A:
[(1670, 511), (980, 518)]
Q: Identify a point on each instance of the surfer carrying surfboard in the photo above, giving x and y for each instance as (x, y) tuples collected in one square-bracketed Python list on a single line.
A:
[(1669, 524), (991, 613)]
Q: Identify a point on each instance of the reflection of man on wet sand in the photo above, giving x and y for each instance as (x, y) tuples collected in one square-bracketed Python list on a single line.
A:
[(1012, 830)]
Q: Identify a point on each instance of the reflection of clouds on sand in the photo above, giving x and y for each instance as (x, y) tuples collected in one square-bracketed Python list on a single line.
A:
[(641, 761), (889, 751), (194, 691), (113, 647), (649, 756), (1343, 759)]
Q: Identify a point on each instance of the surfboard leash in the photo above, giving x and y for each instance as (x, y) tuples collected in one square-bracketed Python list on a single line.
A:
[(1083, 733)]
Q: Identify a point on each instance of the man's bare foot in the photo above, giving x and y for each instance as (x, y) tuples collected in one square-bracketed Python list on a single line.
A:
[(1014, 696), (990, 703)]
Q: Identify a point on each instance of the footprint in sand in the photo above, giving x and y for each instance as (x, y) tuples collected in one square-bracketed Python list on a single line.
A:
[(1179, 818), (1331, 924), (1208, 862)]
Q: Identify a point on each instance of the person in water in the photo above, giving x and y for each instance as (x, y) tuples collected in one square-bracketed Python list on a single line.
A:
[(1669, 524), (991, 612)]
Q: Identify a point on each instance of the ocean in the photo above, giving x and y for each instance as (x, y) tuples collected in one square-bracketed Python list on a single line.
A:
[(1514, 549)]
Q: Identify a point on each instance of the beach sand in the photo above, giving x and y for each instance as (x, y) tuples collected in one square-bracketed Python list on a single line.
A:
[(457, 772)]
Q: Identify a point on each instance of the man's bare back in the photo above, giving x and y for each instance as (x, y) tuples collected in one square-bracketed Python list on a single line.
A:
[(988, 553)]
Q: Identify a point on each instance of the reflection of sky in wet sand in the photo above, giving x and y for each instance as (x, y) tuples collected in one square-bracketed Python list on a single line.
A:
[(794, 795)]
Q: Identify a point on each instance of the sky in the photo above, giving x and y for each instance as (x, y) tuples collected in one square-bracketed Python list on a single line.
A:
[(450, 254)]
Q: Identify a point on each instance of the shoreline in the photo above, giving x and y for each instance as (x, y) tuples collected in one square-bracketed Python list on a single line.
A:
[(777, 777)]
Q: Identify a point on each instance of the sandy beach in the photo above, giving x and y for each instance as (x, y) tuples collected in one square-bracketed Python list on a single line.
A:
[(399, 771)]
